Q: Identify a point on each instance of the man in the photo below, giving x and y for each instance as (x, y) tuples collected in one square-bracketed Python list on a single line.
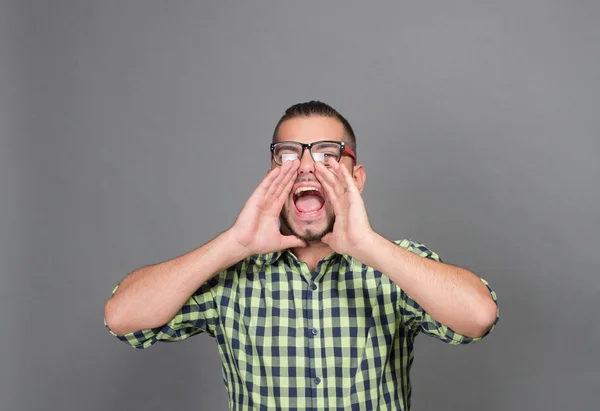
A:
[(311, 309)]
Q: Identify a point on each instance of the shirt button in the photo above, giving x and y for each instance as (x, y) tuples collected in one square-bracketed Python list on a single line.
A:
[(313, 286), (317, 380), (314, 331)]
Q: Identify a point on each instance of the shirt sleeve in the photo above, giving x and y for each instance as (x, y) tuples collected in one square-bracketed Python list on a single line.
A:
[(197, 315), (417, 319)]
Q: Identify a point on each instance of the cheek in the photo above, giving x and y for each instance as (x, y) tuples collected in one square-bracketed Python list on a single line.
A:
[(289, 204)]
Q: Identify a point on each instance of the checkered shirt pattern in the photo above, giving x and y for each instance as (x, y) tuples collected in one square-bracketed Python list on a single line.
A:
[(340, 338)]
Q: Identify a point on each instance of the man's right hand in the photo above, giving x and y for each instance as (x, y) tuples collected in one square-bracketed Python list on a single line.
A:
[(152, 295), (256, 229)]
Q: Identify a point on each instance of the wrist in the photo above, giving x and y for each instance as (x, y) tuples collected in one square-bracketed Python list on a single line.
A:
[(233, 246), (369, 246)]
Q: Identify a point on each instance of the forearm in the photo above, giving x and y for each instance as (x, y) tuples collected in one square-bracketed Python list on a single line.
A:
[(452, 295), (151, 296)]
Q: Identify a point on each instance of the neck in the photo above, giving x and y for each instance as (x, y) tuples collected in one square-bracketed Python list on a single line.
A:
[(312, 254)]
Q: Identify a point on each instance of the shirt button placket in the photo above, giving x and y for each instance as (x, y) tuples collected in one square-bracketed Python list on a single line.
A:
[(315, 337)]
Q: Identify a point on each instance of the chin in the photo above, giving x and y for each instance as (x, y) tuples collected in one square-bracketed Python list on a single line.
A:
[(306, 227)]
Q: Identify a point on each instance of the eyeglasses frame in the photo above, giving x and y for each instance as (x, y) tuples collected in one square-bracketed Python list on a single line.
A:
[(344, 149)]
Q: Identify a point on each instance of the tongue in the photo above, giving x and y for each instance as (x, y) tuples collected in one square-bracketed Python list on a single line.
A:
[(308, 204)]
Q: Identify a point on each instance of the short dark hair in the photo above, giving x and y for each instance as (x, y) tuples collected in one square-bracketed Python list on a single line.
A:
[(318, 108)]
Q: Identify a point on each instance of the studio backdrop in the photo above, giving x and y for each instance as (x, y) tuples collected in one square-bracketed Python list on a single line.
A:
[(134, 131)]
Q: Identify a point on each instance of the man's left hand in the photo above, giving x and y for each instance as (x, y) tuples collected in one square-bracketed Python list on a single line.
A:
[(352, 228)]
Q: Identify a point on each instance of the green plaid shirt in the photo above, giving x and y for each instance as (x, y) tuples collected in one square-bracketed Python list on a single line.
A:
[(340, 338)]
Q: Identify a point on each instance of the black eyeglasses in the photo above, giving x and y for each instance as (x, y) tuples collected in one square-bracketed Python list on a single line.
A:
[(320, 151)]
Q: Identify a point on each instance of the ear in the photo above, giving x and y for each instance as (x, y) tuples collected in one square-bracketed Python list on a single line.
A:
[(360, 177)]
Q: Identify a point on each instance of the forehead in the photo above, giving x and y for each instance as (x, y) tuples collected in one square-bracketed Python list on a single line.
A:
[(309, 129)]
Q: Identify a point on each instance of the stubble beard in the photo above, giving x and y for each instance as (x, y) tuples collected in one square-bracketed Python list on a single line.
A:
[(309, 236)]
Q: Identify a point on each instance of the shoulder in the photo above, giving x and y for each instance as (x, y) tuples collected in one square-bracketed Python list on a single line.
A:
[(250, 266), (418, 248)]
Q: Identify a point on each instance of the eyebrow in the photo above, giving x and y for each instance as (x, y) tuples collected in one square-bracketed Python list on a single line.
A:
[(327, 143), (287, 144)]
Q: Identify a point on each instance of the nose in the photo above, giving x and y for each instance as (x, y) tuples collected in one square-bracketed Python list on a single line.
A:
[(307, 165)]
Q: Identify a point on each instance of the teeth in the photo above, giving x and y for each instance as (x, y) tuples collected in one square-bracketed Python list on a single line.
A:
[(301, 189)]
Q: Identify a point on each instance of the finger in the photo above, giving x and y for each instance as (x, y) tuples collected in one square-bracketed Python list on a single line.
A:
[(349, 180), (328, 180), (284, 170), (266, 183), (285, 187), (346, 181), (276, 205), (284, 190), (332, 177), (332, 187)]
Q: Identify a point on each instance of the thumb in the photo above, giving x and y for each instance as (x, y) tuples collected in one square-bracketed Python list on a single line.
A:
[(326, 239), (291, 241)]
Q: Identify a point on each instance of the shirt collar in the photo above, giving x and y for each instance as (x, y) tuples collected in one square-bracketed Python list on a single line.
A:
[(272, 258)]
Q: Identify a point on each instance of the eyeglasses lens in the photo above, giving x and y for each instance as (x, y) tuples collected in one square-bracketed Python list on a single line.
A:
[(321, 152)]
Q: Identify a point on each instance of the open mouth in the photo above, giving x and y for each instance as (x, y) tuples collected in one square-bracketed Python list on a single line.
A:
[(308, 201)]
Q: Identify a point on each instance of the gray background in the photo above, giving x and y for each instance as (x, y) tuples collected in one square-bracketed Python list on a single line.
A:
[(134, 131)]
